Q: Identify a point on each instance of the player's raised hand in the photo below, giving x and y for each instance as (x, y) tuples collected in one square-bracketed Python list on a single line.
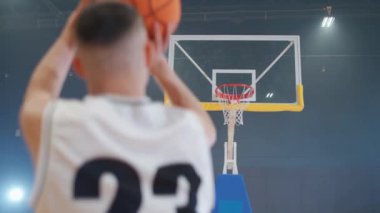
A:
[(157, 52), (159, 44)]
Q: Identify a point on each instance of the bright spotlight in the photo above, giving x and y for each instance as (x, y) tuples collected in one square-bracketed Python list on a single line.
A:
[(16, 194), (329, 19), (327, 22)]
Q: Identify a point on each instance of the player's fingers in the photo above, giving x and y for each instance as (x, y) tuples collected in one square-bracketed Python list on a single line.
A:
[(171, 27), (168, 31), (73, 18), (158, 36), (82, 4), (151, 52)]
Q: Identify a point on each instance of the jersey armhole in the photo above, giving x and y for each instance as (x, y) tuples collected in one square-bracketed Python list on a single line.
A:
[(43, 154)]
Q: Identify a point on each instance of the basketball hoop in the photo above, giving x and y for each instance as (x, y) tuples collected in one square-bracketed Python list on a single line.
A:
[(233, 98)]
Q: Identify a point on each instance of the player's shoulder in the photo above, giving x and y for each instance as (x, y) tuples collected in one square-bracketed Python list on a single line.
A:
[(112, 107), (64, 109), (168, 116), (87, 104), (170, 110), (187, 117), (173, 111), (63, 105)]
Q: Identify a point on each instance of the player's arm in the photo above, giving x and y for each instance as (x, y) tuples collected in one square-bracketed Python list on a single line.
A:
[(179, 94), (46, 84)]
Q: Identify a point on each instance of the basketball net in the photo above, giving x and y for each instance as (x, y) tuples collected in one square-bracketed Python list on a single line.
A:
[(233, 98)]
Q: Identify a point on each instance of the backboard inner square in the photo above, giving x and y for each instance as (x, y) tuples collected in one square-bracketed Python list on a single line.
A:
[(232, 76)]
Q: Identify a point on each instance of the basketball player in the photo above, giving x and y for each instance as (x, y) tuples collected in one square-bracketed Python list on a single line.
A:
[(115, 150)]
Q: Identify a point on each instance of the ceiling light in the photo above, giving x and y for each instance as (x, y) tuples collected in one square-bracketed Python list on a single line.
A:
[(329, 19)]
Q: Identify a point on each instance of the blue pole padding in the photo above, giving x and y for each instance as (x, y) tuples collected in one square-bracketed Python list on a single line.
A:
[(231, 195)]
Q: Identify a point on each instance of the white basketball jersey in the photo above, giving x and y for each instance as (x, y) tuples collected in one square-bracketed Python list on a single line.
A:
[(113, 154)]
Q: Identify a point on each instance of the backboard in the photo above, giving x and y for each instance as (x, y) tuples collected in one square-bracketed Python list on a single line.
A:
[(270, 64)]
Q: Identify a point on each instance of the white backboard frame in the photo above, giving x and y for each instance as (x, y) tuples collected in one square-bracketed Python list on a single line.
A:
[(294, 41)]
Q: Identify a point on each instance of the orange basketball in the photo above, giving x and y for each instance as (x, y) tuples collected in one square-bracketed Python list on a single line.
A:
[(163, 12)]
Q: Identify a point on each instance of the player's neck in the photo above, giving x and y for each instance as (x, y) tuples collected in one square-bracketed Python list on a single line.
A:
[(118, 87)]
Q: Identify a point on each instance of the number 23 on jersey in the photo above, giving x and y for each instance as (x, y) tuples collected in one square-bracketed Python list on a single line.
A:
[(128, 197)]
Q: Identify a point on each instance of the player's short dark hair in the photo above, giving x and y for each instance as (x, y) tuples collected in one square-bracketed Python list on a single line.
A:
[(105, 23)]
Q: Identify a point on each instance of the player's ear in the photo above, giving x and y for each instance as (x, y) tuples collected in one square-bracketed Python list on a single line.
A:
[(78, 68)]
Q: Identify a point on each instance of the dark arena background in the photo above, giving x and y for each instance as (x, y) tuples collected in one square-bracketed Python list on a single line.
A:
[(325, 159)]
